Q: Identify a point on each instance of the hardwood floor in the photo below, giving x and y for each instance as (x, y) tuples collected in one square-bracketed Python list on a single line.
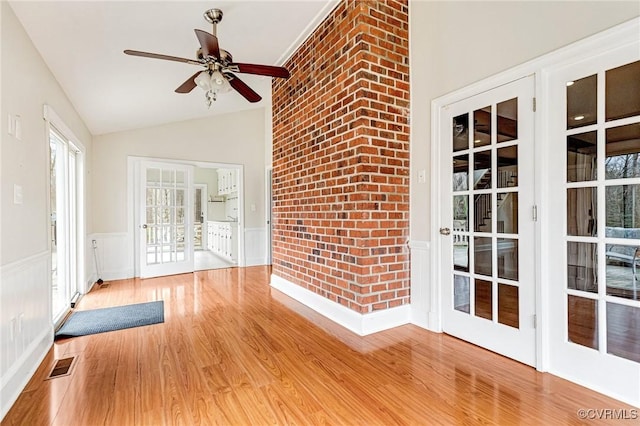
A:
[(234, 351)]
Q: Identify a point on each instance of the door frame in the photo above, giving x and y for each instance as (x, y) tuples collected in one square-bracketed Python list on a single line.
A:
[(133, 189), (541, 67), (204, 196), (269, 213), (83, 282), (569, 359)]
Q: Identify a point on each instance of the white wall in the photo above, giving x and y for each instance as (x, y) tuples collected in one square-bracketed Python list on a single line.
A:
[(27, 84), (453, 44), (236, 138)]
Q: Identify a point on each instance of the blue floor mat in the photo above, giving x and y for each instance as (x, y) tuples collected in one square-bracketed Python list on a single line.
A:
[(95, 321)]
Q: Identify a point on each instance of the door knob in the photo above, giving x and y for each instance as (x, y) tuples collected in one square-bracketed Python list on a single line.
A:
[(445, 231), (145, 226)]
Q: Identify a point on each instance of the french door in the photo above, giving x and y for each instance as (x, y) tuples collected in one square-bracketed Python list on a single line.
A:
[(595, 188), (166, 219), (487, 200)]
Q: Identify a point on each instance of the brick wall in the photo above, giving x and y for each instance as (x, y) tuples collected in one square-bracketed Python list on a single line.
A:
[(341, 159)]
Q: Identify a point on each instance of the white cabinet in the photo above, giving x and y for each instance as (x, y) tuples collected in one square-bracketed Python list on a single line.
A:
[(227, 181), (223, 239)]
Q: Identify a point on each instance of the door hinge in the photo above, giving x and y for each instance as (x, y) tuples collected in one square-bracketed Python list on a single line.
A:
[(535, 321), (534, 213), (534, 104)]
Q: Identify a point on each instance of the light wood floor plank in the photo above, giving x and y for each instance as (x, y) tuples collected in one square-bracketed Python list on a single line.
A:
[(233, 351)]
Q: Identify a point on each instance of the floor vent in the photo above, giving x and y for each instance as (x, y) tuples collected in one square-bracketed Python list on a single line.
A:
[(61, 368)]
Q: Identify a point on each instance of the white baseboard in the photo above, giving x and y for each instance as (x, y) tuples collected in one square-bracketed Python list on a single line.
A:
[(605, 391), (255, 261), (117, 275), (420, 318), (20, 372), (361, 324)]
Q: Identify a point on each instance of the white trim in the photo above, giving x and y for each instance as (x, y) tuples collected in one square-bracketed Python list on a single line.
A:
[(21, 371), (20, 264), (50, 115), (53, 119), (133, 162), (541, 234), (599, 389), (256, 245), (420, 298), (596, 44), (204, 208), (25, 352), (600, 43), (435, 310), (308, 30), (268, 212), (419, 245), (361, 324)]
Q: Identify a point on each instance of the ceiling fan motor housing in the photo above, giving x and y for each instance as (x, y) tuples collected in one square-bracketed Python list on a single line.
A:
[(217, 63), (213, 16)]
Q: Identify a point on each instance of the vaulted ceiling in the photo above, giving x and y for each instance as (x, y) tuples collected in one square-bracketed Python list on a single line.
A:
[(82, 43)]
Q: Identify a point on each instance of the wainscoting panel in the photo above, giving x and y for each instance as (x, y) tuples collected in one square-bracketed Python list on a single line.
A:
[(25, 319), (255, 246), (420, 284), (115, 256)]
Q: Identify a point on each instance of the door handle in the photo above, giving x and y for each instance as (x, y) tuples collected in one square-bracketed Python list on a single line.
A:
[(445, 231), (144, 226)]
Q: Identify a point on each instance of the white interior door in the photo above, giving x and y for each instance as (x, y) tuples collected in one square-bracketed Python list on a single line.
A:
[(594, 188), (166, 219), (487, 200)]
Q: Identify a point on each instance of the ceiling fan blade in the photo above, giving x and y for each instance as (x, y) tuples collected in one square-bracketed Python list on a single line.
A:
[(209, 44), (242, 88), (165, 57), (188, 85), (268, 70)]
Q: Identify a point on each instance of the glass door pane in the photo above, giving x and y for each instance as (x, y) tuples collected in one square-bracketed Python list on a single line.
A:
[(493, 227), (63, 205), (603, 211), (59, 249)]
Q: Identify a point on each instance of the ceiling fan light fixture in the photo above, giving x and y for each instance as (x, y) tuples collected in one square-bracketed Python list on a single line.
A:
[(218, 74), (203, 80), (219, 82)]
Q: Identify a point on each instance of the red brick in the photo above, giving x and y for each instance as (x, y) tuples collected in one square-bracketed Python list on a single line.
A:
[(341, 159)]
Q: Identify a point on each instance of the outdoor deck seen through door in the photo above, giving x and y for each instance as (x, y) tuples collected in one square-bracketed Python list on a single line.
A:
[(487, 240), (166, 219), (595, 185)]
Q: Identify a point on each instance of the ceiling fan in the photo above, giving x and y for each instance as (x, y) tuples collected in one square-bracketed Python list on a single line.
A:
[(218, 75)]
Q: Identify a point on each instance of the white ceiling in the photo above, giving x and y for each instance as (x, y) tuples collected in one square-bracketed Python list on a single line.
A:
[(82, 42)]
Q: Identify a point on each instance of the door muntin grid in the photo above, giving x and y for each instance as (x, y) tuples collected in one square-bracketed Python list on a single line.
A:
[(603, 211), (165, 205), (485, 213)]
